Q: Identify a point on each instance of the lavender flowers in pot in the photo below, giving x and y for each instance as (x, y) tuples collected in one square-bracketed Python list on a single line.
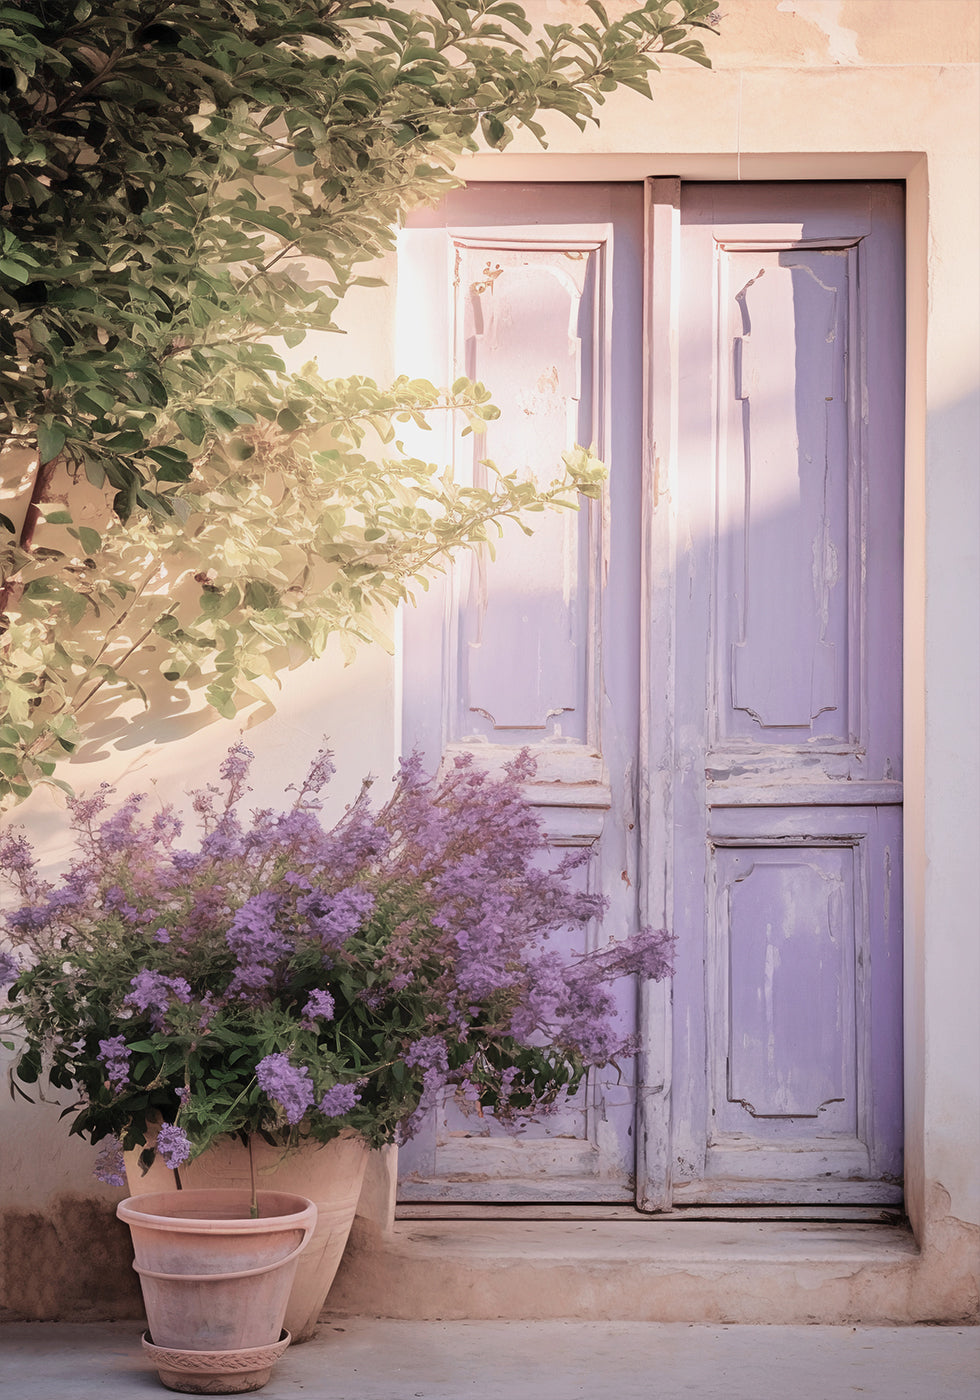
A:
[(285, 980)]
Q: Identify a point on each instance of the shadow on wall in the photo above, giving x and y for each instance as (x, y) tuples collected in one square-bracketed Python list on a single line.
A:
[(69, 1260)]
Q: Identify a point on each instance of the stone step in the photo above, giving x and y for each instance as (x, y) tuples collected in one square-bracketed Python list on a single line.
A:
[(635, 1268)]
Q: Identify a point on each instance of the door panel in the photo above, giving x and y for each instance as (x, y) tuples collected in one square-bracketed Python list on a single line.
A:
[(783, 920), (801, 959), (788, 660), (526, 324)]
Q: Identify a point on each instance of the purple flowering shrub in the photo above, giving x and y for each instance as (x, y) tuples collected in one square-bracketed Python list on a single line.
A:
[(295, 980)]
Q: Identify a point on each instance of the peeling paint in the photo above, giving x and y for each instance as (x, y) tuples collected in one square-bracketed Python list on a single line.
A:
[(842, 43), (490, 274)]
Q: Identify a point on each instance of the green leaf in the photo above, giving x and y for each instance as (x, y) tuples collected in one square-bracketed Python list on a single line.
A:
[(260, 595), (51, 438), (192, 425), (266, 220), (29, 1067), (89, 539), (126, 443)]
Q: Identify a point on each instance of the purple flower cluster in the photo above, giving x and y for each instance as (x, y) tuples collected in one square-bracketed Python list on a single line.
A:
[(287, 1084), (235, 769), (84, 810), (320, 1006), (333, 918), (33, 918), (257, 943), (319, 773), (155, 993), (115, 1055), (16, 855), (338, 1100), (647, 954), (118, 833), (225, 842), (109, 1164), (428, 1053), (10, 968), (174, 1145)]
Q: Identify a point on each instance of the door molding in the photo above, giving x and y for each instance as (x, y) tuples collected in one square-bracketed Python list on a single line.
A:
[(662, 211)]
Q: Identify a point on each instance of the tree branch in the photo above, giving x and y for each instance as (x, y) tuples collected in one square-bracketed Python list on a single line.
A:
[(42, 480)]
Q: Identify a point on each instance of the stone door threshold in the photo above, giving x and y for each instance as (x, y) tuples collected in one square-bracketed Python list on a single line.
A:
[(833, 1214), (634, 1268)]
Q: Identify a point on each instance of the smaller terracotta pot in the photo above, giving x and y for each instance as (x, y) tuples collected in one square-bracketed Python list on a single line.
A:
[(215, 1280), (331, 1174)]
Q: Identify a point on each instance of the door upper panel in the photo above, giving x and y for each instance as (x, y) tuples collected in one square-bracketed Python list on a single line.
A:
[(784, 495), (526, 323), (793, 313)]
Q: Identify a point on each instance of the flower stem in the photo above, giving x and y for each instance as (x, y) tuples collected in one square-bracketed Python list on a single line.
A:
[(253, 1209)]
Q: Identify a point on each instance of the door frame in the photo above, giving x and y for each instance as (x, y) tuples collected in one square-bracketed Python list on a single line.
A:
[(660, 359)]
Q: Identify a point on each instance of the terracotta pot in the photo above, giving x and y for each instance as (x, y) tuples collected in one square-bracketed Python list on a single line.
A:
[(329, 1174), (214, 1279)]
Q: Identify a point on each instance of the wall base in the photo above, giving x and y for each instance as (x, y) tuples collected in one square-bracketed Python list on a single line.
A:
[(77, 1268)]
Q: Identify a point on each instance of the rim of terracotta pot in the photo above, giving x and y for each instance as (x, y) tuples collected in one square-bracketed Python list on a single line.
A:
[(217, 1210)]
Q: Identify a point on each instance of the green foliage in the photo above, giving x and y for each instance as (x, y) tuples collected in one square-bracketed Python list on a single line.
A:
[(182, 183), (277, 543)]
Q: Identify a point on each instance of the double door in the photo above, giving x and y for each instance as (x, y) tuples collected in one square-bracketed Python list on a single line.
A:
[(706, 663)]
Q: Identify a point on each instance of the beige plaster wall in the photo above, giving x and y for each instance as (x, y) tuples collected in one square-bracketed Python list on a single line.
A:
[(800, 89)]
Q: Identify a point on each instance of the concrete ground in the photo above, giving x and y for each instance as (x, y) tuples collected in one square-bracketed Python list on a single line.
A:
[(364, 1359)]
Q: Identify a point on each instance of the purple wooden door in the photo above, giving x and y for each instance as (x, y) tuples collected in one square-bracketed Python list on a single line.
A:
[(536, 291), (708, 665), (787, 792)]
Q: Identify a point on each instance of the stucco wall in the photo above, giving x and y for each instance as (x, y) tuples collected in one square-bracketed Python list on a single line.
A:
[(801, 89)]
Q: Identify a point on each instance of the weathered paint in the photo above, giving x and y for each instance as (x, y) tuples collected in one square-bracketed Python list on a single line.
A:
[(72, 1260), (787, 998), (538, 296), (781, 629)]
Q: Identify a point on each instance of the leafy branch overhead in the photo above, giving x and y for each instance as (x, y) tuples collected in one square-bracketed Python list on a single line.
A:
[(183, 184)]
